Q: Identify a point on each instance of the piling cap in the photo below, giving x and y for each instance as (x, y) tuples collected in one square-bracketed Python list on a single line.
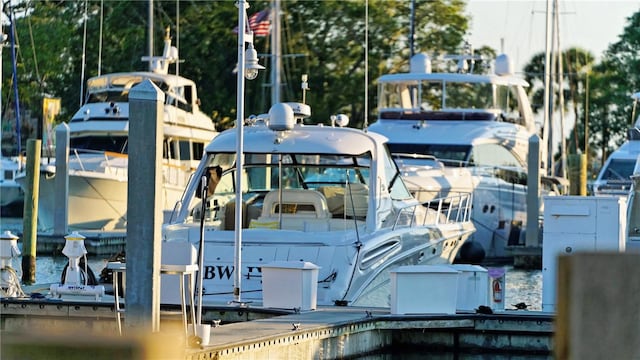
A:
[(8, 235), (74, 236)]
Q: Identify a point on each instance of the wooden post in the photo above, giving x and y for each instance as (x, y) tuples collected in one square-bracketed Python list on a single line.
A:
[(30, 214), (61, 181), (577, 174), (533, 192), (598, 315), (144, 214)]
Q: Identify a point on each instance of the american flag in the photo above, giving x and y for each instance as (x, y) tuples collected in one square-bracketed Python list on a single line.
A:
[(259, 23)]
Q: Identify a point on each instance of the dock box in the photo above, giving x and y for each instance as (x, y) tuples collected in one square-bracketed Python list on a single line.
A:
[(424, 289), (578, 224), (290, 285), (473, 287)]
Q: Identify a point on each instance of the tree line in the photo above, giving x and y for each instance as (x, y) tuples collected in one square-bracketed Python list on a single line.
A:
[(61, 43)]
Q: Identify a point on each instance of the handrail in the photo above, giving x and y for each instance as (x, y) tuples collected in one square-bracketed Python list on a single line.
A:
[(445, 210), (107, 155)]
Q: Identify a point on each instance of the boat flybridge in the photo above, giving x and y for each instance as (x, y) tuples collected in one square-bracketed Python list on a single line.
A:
[(615, 176), (98, 154), (322, 194), (471, 128)]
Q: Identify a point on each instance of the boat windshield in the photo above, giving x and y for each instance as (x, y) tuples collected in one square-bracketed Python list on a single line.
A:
[(450, 155), (489, 155), (117, 144), (618, 169), (262, 173), (115, 87)]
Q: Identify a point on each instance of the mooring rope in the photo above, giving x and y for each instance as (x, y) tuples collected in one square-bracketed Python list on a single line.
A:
[(10, 283)]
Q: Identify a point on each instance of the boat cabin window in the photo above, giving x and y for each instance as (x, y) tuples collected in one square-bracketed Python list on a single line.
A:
[(188, 94), (176, 97), (185, 150), (197, 148), (117, 144), (108, 96), (115, 88), (493, 155)]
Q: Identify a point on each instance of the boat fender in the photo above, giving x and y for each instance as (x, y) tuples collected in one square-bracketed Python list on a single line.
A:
[(471, 252)]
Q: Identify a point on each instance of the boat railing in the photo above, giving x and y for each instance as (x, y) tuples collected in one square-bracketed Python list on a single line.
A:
[(107, 162), (454, 208)]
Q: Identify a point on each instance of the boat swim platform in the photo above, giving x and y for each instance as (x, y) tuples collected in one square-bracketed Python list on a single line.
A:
[(248, 332)]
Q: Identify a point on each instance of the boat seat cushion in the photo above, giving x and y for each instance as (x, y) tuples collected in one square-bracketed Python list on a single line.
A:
[(296, 203)]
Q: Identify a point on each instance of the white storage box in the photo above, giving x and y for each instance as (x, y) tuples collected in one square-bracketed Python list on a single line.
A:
[(575, 224), (473, 287), (176, 253), (424, 289), (290, 285)]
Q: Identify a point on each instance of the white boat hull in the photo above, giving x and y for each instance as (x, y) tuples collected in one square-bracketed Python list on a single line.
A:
[(96, 201), (347, 274), (499, 207), (10, 193)]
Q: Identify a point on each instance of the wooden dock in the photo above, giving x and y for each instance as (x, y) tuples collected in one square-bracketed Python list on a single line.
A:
[(259, 333)]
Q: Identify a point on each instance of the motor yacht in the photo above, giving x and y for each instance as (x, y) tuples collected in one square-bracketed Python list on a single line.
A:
[(327, 195), (98, 156), (474, 118)]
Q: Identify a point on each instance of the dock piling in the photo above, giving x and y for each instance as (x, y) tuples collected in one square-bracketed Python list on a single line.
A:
[(30, 214)]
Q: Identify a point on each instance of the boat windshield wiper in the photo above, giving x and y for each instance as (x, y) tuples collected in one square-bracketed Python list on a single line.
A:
[(393, 179)]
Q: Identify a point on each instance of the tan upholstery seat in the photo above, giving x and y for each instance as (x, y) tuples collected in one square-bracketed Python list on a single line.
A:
[(295, 202), (356, 200)]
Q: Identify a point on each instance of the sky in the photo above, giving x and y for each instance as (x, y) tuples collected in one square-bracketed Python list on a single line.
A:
[(517, 27)]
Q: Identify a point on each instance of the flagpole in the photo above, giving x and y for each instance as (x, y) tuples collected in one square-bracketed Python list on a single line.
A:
[(237, 265), (276, 53)]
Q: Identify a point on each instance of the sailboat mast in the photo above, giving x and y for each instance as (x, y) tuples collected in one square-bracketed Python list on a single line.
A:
[(150, 31), (547, 84), (276, 52), (412, 28), (84, 51), (15, 79), (1, 46), (560, 81)]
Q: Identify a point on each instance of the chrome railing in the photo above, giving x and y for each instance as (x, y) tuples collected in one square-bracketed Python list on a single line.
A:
[(445, 210)]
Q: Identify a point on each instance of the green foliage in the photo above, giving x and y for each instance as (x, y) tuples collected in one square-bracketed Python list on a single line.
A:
[(616, 78), (605, 86), (324, 39)]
